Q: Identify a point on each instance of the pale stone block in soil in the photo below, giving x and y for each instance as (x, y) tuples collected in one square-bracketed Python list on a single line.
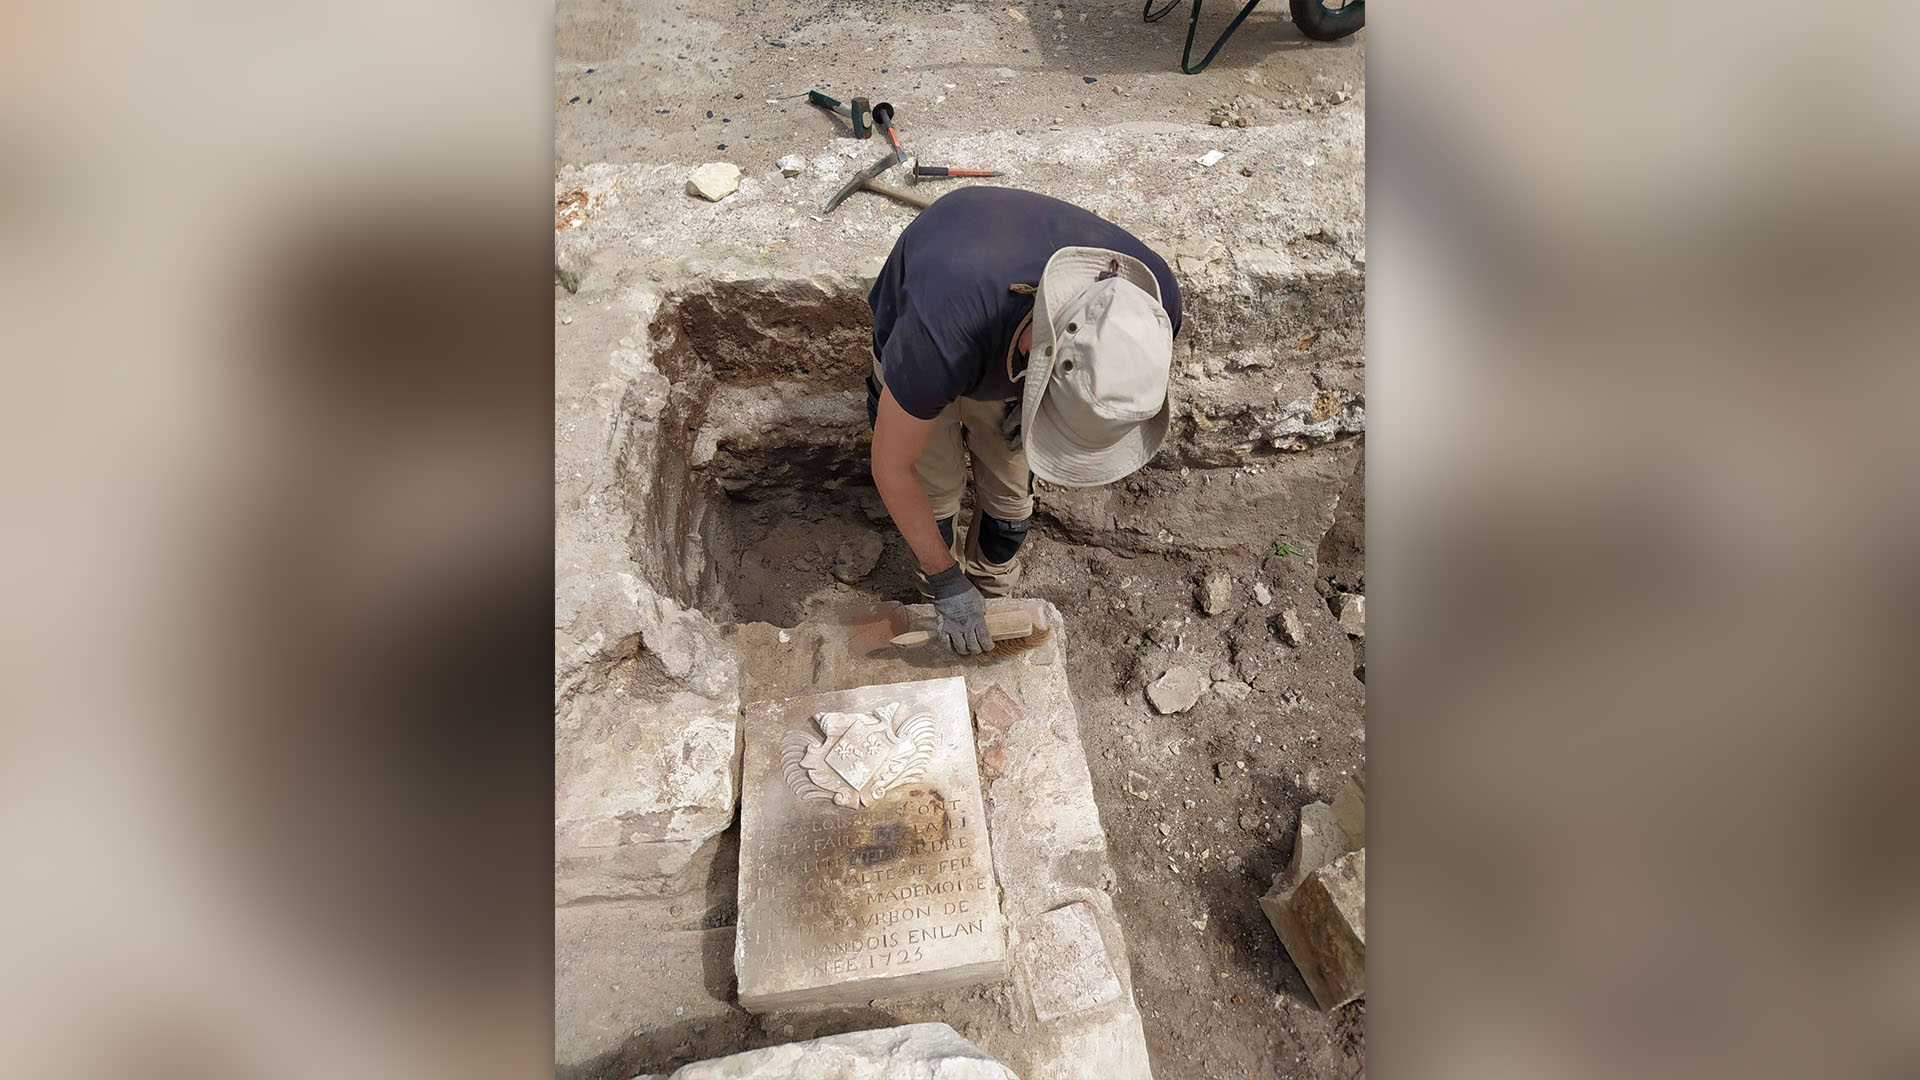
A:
[(1323, 924)]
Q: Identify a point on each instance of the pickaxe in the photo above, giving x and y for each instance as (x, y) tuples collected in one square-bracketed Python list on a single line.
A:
[(863, 180)]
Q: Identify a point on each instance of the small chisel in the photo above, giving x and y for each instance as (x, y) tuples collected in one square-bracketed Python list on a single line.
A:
[(942, 170), (883, 119)]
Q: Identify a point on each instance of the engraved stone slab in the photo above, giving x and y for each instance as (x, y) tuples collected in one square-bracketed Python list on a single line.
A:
[(1065, 962), (864, 865)]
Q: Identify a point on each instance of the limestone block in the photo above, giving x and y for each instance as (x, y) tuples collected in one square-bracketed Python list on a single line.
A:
[(714, 181), (910, 1052), (865, 869), (1177, 690), (1320, 841), (1350, 810), (1351, 610), (599, 601), (1065, 962), (644, 765), (1323, 924)]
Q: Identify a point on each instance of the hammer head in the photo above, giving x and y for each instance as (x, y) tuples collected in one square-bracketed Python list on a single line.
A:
[(861, 113)]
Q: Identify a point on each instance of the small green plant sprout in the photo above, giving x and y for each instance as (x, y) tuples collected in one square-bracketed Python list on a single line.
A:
[(1281, 547)]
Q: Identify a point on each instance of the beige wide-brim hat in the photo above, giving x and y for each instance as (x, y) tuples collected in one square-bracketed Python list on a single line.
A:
[(1095, 405)]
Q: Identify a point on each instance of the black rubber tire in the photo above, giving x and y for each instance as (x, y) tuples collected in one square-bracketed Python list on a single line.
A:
[(1321, 24)]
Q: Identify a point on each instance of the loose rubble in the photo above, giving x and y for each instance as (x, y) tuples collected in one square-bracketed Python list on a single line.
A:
[(714, 181), (1215, 593), (1232, 690), (792, 165), (858, 556), (1291, 629), (1351, 610), (1177, 690), (1237, 113)]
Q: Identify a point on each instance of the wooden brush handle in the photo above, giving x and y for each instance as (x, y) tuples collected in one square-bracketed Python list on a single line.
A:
[(1001, 626)]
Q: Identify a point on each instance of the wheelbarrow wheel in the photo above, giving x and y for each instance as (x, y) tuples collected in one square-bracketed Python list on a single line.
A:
[(1327, 20)]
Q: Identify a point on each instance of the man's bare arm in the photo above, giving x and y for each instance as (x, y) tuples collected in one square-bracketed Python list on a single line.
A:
[(898, 439)]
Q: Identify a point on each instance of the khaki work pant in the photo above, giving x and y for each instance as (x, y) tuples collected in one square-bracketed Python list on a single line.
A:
[(1002, 485)]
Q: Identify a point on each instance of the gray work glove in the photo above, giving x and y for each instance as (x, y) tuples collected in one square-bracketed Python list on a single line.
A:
[(962, 611), (1010, 425)]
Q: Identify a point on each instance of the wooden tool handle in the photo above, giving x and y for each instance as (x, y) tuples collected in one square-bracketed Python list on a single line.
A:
[(911, 198), (1001, 625)]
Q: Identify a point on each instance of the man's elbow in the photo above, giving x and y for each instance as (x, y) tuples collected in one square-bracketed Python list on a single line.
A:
[(883, 462)]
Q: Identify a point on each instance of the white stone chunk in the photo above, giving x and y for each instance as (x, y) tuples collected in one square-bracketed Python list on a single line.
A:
[(714, 181), (1351, 610)]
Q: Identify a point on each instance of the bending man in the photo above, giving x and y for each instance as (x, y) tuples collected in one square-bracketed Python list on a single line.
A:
[(1030, 335)]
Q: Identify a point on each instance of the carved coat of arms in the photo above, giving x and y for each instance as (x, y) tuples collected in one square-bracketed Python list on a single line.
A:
[(860, 756)]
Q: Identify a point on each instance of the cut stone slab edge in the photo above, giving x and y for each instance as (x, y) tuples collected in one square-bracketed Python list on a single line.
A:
[(932, 1049)]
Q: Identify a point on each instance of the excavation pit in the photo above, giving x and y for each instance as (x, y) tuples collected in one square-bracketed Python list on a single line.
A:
[(738, 450), (753, 471)]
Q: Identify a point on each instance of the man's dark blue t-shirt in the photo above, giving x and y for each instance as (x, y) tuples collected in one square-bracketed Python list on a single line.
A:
[(944, 318)]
